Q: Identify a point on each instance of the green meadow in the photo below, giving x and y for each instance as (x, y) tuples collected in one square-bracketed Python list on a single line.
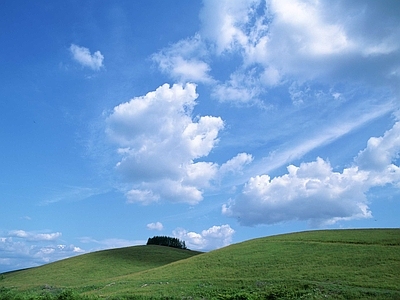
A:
[(325, 264)]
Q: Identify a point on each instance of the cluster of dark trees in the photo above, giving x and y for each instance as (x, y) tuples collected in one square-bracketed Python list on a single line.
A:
[(166, 241)]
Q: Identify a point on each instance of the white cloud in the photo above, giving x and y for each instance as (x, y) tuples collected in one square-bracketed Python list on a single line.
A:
[(222, 20), (30, 236), (155, 226), (278, 42), (159, 142), (22, 249), (186, 70), (315, 193), (270, 76), (242, 87), (236, 164), (201, 136), (286, 41), (83, 56), (183, 61), (311, 48), (380, 151), (177, 191), (200, 173), (211, 238), (311, 192), (305, 27), (141, 196)]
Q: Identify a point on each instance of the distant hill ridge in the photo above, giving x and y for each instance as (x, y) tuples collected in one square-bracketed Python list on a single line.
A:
[(342, 264)]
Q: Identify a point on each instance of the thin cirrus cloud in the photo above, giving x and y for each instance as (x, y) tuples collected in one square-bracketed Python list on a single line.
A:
[(83, 56), (69, 193), (324, 136)]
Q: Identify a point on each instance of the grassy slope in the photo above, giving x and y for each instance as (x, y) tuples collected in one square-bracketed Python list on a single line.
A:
[(362, 259), (89, 268), (353, 263)]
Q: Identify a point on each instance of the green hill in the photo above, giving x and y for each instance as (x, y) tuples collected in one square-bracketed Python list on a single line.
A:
[(326, 264), (90, 268)]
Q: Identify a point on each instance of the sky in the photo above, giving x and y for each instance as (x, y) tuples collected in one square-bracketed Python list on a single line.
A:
[(211, 121)]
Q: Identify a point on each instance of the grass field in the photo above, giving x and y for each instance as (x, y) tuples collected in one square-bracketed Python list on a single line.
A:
[(329, 264)]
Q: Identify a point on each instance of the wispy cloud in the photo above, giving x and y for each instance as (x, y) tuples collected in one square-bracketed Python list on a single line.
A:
[(71, 193), (325, 136)]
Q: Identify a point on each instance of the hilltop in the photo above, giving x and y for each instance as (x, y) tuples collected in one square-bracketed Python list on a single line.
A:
[(328, 264)]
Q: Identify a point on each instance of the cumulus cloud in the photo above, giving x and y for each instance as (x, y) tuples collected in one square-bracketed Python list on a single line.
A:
[(380, 151), (159, 141), (314, 192), (83, 56), (155, 226), (311, 192), (211, 238)]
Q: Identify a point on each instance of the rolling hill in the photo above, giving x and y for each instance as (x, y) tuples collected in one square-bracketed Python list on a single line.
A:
[(325, 264), (92, 267)]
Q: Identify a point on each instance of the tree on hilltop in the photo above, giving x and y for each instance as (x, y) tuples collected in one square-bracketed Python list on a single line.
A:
[(166, 241)]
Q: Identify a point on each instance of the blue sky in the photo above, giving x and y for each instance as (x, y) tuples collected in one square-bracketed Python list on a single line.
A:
[(211, 121)]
